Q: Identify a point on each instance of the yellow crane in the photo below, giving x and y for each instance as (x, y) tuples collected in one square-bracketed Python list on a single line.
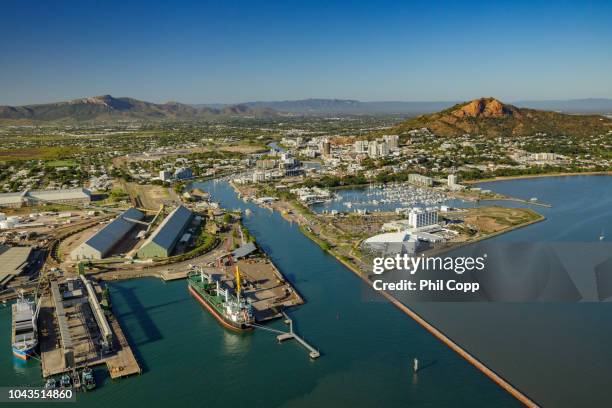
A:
[(238, 287)]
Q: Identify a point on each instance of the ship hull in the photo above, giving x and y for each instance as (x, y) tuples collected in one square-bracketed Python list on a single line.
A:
[(241, 328), (24, 354)]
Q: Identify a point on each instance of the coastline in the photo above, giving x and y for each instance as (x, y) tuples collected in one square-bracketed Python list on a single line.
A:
[(507, 386), (543, 175)]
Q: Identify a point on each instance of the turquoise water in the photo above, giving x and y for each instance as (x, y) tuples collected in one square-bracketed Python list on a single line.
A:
[(559, 354), (367, 347)]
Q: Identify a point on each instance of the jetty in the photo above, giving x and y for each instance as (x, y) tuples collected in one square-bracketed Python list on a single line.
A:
[(289, 335), (263, 285), (75, 332)]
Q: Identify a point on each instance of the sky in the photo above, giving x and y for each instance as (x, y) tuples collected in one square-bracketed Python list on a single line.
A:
[(237, 51)]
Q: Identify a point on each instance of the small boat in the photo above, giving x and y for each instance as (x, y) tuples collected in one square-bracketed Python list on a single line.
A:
[(88, 381), (602, 236), (65, 381), (50, 384)]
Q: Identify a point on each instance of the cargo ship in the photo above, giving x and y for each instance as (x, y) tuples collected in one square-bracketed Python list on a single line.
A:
[(25, 333), (232, 311)]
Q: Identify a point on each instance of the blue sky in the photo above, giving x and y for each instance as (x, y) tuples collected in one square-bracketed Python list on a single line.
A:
[(233, 51)]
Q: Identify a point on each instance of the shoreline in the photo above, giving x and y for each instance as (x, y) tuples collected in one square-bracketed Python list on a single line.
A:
[(496, 378), (543, 175)]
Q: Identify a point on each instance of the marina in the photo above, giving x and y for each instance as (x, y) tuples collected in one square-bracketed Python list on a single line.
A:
[(391, 197), (383, 340)]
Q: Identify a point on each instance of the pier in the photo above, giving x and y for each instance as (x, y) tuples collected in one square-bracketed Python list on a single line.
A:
[(171, 275), (264, 286), (282, 336), (76, 333)]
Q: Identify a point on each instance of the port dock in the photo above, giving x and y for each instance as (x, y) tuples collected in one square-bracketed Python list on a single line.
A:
[(263, 286), (75, 332)]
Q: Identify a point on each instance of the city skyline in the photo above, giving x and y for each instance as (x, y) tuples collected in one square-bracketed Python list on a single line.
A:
[(217, 53)]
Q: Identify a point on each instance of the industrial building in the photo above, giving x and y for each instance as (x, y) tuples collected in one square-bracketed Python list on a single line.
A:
[(75, 196), (163, 240), (13, 261), (102, 242)]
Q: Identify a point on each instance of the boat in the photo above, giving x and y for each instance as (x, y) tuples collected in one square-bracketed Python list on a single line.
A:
[(87, 379), (24, 328), (50, 384), (602, 236), (65, 381), (232, 311)]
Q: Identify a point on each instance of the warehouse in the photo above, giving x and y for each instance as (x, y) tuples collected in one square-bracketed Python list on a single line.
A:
[(161, 243), (103, 241), (12, 200), (13, 261), (75, 196)]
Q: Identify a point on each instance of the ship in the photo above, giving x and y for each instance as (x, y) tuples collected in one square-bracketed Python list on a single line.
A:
[(232, 311), (24, 328), (88, 380)]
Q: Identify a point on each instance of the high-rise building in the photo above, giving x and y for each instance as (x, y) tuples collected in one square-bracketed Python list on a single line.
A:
[(420, 217), (420, 180), (183, 173), (326, 148), (383, 149), (360, 146), (392, 141), (373, 149), (452, 180)]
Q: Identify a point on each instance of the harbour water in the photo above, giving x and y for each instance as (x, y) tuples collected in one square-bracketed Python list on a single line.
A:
[(367, 348), (558, 354)]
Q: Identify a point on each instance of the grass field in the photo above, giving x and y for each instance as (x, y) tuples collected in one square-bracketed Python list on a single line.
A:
[(39, 153), (61, 163)]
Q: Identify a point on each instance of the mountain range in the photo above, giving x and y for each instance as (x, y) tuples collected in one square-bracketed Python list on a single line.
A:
[(107, 108), (345, 106), (489, 116), (351, 106)]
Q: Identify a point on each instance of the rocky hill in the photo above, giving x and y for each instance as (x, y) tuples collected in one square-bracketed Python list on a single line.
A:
[(490, 117)]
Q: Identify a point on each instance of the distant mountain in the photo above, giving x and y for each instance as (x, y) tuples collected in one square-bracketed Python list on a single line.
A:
[(588, 105), (344, 106), (351, 106), (107, 108), (490, 117)]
